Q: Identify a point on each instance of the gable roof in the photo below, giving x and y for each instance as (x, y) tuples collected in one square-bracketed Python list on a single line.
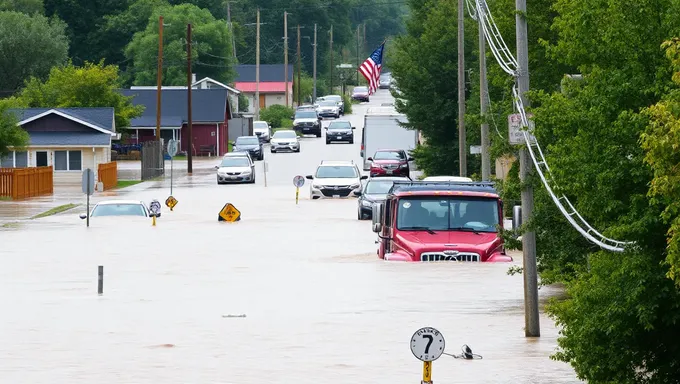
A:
[(268, 72), (208, 105), (51, 139), (193, 86), (99, 119), (213, 81)]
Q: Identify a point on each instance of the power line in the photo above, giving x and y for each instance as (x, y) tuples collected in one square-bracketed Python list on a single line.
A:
[(330, 6)]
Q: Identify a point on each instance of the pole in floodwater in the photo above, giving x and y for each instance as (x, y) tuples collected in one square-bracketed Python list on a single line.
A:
[(100, 283)]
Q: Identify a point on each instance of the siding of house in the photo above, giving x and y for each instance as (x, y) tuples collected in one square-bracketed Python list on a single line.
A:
[(204, 134), (269, 100), (89, 158)]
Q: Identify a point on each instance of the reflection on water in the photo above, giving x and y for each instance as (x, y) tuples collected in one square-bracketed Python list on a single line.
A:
[(318, 305)]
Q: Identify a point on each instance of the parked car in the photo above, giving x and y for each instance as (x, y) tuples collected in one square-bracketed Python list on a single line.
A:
[(338, 100), (334, 179), (340, 131), (235, 169), (360, 94), (307, 107), (262, 130), (328, 108), (307, 122), (448, 178), (240, 154), (119, 208), (285, 140), (250, 144), (390, 162), (374, 192)]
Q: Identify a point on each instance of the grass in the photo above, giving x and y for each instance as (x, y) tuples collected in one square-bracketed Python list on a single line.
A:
[(127, 183), (55, 210), (5, 198), (12, 225)]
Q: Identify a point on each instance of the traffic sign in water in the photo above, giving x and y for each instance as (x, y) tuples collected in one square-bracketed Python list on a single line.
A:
[(427, 344), (229, 213), (298, 181)]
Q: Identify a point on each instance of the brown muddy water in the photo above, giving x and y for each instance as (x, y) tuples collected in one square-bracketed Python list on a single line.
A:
[(290, 294)]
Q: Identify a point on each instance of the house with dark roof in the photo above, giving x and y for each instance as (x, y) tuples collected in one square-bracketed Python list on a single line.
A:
[(272, 85), (210, 114), (68, 139)]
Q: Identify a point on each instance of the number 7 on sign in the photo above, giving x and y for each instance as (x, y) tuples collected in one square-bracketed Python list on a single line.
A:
[(430, 339)]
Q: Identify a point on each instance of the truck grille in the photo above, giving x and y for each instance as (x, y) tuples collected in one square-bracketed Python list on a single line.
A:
[(331, 191), (450, 256)]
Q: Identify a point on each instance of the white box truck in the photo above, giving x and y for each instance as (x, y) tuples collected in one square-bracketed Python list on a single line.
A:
[(383, 131)]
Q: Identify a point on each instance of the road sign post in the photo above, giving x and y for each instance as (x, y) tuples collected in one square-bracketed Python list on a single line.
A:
[(298, 181), (155, 208), (427, 345), (88, 189), (173, 147), (265, 168)]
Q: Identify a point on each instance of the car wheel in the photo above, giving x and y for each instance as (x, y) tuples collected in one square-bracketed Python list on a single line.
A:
[(318, 134), (298, 150), (351, 141)]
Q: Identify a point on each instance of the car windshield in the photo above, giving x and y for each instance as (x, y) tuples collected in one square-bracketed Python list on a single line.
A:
[(305, 115), (247, 141), (389, 155), (339, 125), (118, 210), (260, 125), (284, 135), (333, 98), (337, 171), (328, 103), (360, 90), (235, 161), (456, 213), (379, 187)]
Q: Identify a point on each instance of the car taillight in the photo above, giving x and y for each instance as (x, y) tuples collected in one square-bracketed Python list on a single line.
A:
[(362, 146)]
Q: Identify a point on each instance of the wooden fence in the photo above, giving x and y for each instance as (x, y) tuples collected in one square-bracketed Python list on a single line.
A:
[(20, 183), (108, 174)]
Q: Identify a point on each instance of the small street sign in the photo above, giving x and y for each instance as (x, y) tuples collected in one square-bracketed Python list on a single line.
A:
[(170, 202), (88, 181), (229, 213), (427, 344), (298, 181), (475, 149), (172, 148), (515, 131), (155, 207)]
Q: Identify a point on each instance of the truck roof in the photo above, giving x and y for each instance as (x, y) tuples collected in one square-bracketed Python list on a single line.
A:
[(383, 111), (428, 188)]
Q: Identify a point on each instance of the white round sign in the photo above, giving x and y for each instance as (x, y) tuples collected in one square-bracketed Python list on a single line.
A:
[(298, 181), (155, 207), (427, 344)]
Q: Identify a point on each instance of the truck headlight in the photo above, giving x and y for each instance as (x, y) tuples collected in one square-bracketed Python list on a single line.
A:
[(367, 203)]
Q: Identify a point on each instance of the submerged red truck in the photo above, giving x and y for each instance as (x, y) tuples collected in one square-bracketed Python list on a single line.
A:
[(440, 221)]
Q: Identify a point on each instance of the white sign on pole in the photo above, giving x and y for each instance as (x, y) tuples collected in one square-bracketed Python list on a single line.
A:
[(475, 149), (155, 207), (298, 181), (515, 131), (427, 344), (172, 148)]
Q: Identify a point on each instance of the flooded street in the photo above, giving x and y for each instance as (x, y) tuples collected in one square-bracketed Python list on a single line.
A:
[(319, 306)]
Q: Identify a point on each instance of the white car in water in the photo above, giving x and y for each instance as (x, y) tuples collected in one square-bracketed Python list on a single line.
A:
[(119, 208), (262, 130), (335, 179), (285, 140), (235, 169)]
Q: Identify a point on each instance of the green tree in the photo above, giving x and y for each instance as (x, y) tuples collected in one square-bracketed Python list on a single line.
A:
[(40, 45), (25, 6), (11, 135), (92, 85), (211, 53), (276, 114)]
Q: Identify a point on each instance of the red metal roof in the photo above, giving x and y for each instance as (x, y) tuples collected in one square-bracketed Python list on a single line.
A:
[(265, 87)]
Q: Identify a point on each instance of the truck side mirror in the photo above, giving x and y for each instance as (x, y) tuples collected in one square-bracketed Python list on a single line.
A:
[(370, 159), (376, 217), (410, 159), (516, 216), (83, 216)]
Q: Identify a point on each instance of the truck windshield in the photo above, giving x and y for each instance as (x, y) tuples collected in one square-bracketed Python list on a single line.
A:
[(454, 213), (305, 115), (340, 171)]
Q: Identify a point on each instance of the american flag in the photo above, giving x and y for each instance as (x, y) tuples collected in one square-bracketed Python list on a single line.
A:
[(371, 68)]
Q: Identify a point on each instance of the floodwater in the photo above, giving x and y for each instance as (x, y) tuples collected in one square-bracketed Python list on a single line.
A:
[(290, 294)]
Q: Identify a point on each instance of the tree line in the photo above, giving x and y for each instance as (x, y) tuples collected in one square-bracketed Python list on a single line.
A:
[(612, 139)]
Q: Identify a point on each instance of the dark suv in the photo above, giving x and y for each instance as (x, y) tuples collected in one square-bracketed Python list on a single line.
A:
[(390, 162), (250, 144), (307, 122), (340, 131)]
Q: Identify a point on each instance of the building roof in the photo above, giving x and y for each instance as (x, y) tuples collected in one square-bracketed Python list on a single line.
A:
[(167, 122), (208, 105), (197, 85), (49, 139), (99, 119), (268, 72), (268, 87)]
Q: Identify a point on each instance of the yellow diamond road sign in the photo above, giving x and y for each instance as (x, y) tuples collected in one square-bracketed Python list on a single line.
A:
[(170, 202), (229, 213)]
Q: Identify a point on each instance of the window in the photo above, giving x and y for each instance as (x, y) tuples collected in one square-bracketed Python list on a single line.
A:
[(284, 135), (340, 171), (339, 126), (245, 140), (465, 213), (14, 160), (235, 162), (118, 210), (68, 160), (389, 155), (305, 115), (377, 186)]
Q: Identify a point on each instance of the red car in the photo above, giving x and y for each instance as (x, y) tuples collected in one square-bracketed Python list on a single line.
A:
[(390, 162)]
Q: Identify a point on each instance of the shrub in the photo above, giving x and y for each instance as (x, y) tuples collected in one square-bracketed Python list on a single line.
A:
[(348, 104), (276, 114)]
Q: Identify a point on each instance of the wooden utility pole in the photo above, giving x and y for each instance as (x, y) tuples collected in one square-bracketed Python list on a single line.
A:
[(483, 100), (190, 132), (257, 68), (285, 51), (314, 68), (231, 29), (532, 327), (159, 78), (331, 61), (297, 89), (462, 153)]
